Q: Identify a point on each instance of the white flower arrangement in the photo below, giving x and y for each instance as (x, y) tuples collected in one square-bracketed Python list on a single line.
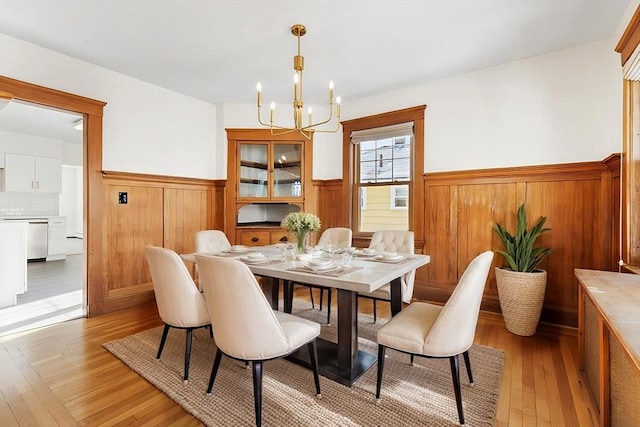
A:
[(301, 223)]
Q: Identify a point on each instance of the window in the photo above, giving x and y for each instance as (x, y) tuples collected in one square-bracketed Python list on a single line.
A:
[(383, 163), (399, 197), (383, 159)]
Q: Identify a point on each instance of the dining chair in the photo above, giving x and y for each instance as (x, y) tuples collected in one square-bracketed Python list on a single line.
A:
[(246, 326), (211, 241), (392, 241), (340, 239), (429, 330), (180, 303)]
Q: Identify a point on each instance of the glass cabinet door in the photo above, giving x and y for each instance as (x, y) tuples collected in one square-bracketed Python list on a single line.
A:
[(287, 170), (254, 173)]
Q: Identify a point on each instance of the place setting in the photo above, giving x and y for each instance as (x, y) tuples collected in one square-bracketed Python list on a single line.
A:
[(258, 258), (389, 257), (326, 266)]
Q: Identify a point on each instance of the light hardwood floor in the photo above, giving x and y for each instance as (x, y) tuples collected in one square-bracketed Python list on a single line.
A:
[(62, 375)]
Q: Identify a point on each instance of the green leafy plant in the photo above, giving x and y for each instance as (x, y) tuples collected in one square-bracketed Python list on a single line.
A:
[(519, 251)]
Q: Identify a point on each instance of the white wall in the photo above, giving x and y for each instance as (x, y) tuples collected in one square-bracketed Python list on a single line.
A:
[(560, 107), (555, 108), (147, 129)]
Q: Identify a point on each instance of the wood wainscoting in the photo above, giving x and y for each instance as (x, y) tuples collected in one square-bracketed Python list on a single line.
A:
[(160, 211), (580, 201)]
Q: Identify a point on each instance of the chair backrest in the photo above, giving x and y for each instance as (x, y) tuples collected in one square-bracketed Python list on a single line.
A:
[(243, 321), (179, 301), (211, 241), (339, 237), (397, 241), (454, 329)]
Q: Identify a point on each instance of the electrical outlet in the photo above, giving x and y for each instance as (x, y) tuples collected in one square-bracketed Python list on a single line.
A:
[(122, 198)]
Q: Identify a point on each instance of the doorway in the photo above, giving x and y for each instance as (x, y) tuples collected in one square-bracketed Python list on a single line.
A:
[(55, 286)]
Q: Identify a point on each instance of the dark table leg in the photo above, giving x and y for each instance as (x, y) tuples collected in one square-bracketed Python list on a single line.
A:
[(288, 296), (396, 296), (271, 288)]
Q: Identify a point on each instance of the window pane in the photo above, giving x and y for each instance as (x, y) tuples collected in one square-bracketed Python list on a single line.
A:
[(368, 171), (385, 160), (379, 214), (402, 169)]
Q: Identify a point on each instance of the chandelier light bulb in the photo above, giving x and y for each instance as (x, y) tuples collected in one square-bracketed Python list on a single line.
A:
[(331, 85), (259, 87)]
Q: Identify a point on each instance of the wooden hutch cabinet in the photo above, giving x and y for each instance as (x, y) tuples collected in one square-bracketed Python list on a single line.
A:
[(268, 177)]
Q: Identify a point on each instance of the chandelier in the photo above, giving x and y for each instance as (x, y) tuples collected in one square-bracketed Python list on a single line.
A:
[(299, 30)]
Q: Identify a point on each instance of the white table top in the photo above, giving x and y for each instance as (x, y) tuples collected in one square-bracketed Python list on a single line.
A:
[(370, 277)]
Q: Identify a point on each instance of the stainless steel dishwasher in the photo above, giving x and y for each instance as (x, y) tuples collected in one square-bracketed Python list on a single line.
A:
[(37, 238)]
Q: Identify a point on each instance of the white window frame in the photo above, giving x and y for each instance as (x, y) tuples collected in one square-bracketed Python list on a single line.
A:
[(393, 198)]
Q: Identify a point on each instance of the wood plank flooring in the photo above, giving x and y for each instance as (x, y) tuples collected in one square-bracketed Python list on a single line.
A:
[(62, 376)]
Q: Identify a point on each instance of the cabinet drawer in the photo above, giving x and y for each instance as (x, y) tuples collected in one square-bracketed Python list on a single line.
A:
[(281, 236), (254, 238)]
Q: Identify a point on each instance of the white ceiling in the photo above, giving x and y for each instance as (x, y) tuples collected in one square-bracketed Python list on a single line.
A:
[(217, 50)]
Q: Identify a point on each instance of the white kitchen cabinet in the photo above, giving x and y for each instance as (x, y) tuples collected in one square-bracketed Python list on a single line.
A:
[(24, 173), (56, 245), (13, 262)]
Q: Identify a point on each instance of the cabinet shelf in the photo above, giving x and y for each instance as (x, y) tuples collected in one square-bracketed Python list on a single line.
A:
[(255, 165)]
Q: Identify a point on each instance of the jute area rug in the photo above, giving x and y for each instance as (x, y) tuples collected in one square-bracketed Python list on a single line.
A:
[(420, 395)]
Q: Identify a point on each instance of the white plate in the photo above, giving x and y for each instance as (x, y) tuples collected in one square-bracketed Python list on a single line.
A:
[(363, 253), (394, 259), (239, 248), (253, 260), (322, 267), (319, 262)]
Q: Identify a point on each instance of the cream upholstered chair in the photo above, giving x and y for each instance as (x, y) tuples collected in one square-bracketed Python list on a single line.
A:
[(340, 238), (246, 327), (429, 330), (180, 303), (392, 241), (211, 241)]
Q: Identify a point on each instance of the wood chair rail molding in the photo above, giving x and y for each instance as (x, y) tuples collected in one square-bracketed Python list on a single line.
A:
[(161, 211), (462, 208), (92, 111)]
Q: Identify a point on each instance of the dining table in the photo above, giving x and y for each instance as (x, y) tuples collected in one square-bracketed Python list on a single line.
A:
[(341, 361)]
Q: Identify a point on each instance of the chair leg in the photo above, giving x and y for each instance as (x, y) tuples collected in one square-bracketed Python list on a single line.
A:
[(257, 390), (321, 297), (214, 370), (381, 351), (455, 374), (375, 312), (313, 355), (467, 362), (412, 360), (187, 354), (210, 327), (162, 340), (329, 306), (311, 296)]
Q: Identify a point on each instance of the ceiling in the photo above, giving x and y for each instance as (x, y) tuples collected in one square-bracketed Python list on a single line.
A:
[(217, 50)]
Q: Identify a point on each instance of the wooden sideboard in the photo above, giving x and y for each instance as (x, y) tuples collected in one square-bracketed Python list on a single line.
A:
[(609, 344)]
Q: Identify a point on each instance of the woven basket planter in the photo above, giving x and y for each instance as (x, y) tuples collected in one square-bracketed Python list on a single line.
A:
[(521, 296)]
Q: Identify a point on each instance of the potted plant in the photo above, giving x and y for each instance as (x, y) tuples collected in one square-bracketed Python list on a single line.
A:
[(521, 286)]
